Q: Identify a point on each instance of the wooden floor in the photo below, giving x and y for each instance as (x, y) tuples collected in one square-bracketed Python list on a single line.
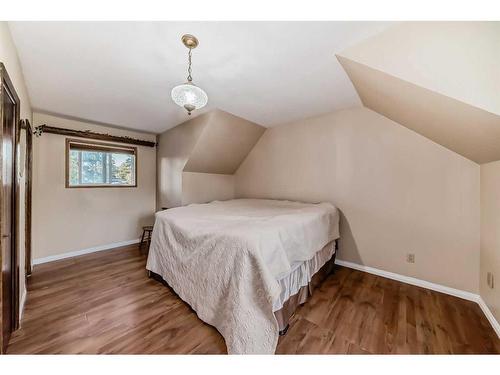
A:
[(104, 303)]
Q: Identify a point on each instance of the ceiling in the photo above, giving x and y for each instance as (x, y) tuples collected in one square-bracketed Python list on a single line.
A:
[(223, 144), (440, 79), (469, 131), (121, 73), (456, 59)]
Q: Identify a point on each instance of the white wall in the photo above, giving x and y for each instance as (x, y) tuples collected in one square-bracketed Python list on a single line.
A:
[(67, 220), (8, 56), (490, 235), (398, 192)]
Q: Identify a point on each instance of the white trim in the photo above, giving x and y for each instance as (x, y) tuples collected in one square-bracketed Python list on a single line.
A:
[(72, 254), (428, 285), (489, 315), (410, 280), (375, 271), (22, 302)]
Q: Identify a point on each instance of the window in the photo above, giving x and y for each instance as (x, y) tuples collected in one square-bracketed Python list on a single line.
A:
[(92, 164)]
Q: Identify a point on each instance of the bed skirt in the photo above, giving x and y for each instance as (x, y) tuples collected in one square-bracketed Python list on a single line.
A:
[(284, 314)]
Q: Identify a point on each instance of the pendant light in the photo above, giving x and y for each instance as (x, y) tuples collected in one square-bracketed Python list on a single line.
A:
[(188, 95)]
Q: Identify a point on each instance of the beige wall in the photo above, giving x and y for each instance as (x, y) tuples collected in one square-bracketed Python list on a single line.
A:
[(8, 56), (456, 59), (490, 234), (206, 187), (174, 148), (196, 159), (223, 144), (398, 192), (66, 220), (435, 116)]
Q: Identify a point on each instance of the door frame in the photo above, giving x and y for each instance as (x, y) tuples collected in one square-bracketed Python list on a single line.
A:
[(28, 173), (5, 81)]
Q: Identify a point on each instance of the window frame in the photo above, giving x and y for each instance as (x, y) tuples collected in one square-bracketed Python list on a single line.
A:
[(103, 147)]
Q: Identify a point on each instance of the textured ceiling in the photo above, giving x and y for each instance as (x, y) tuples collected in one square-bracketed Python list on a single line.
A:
[(121, 73)]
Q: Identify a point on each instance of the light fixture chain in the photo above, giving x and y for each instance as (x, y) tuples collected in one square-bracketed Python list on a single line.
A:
[(188, 95), (189, 66)]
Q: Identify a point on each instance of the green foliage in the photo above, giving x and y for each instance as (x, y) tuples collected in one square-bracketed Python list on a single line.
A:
[(93, 167), (101, 168), (123, 172)]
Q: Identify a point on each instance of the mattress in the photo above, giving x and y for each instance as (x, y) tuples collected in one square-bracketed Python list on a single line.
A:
[(281, 233)]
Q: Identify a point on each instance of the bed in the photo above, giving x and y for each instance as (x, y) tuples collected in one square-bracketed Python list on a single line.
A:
[(244, 265)]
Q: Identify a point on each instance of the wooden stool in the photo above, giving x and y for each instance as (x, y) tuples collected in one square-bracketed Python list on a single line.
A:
[(146, 236)]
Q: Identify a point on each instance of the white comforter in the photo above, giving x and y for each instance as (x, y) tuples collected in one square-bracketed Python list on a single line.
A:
[(223, 258)]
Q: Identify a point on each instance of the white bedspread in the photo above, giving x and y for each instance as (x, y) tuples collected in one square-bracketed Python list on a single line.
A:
[(224, 260)]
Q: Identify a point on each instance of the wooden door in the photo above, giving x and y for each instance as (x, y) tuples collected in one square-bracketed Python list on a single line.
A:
[(9, 118)]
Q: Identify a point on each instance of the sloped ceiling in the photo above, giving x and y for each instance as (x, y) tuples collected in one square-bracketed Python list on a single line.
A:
[(440, 79), (121, 73), (215, 142), (460, 127), (223, 144)]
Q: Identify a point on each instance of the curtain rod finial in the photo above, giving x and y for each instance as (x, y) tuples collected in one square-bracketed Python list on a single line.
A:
[(38, 130)]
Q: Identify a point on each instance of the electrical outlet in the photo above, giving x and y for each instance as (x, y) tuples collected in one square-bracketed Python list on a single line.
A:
[(410, 258), (490, 280)]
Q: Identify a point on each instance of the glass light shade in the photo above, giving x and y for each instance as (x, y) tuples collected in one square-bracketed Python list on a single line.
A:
[(189, 96)]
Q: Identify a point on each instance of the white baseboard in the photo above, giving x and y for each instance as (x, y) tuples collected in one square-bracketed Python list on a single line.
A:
[(489, 315), (410, 280), (375, 271), (72, 254), (22, 302), (428, 285)]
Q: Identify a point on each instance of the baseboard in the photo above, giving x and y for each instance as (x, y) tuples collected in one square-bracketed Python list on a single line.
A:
[(428, 285), (489, 315), (89, 250), (410, 280), (22, 302), (375, 271)]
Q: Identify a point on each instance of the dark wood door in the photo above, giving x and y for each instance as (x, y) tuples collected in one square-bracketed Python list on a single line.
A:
[(8, 270)]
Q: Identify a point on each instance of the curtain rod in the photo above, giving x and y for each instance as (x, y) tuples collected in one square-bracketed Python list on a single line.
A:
[(91, 135)]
